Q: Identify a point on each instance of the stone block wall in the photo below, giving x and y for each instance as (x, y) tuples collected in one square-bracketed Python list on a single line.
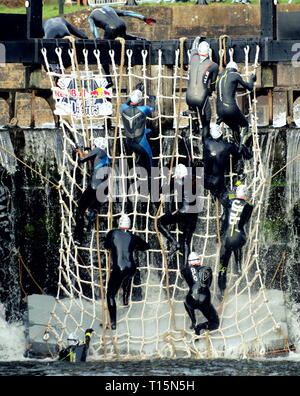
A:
[(172, 23)]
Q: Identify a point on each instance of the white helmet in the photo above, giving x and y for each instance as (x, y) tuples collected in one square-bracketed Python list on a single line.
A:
[(100, 142), (216, 131), (194, 259), (124, 221), (241, 191), (203, 48), (73, 339), (180, 171), (232, 65), (136, 96)]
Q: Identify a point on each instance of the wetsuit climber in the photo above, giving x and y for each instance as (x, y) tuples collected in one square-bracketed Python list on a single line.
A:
[(227, 108), (199, 278), (187, 188), (134, 115), (76, 352), (108, 19), (93, 193), (57, 28), (237, 213), (202, 78), (216, 156), (122, 244)]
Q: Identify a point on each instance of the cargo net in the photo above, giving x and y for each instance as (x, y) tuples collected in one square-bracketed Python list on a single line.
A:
[(155, 323)]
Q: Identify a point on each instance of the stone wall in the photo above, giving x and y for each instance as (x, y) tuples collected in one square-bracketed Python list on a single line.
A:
[(186, 21), (190, 21), (13, 3), (172, 23)]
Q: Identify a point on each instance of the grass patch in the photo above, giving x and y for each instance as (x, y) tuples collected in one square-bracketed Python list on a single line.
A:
[(49, 11)]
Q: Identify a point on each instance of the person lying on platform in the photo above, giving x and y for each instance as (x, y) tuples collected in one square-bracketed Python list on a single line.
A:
[(134, 116), (108, 19), (76, 352), (122, 245), (184, 185), (199, 278), (58, 28), (93, 194), (202, 78), (227, 108), (237, 213), (216, 158)]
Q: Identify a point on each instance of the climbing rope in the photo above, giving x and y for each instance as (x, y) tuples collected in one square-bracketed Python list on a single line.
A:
[(30, 167), (154, 324)]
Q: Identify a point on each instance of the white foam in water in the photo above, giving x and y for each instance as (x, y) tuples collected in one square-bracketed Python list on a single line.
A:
[(6, 160), (294, 329), (297, 113), (12, 339)]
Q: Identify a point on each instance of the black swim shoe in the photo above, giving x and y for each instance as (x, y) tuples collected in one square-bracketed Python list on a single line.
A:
[(174, 248), (113, 326)]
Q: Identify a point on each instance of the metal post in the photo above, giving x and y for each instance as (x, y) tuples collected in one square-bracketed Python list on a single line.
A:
[(34, 18), (61, 4), (270, 106), (268, 19)]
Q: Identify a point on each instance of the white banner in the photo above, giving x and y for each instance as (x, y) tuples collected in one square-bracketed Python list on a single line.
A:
[(92, 94)]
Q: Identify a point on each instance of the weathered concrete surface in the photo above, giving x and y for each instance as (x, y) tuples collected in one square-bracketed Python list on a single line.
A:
[(288, 75), (186, 21), (174, 22)]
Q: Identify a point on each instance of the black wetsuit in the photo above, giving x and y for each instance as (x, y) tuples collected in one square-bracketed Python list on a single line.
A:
[(202, 79), (59, 28), (216, 156), (76, 353), (108, 19), (237, 213), (134, 118), (187, 213), (227, 108), (93, 194), (199, 279), (122, 245)]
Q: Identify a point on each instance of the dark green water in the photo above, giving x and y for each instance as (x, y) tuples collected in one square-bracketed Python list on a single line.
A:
[(162, 367)]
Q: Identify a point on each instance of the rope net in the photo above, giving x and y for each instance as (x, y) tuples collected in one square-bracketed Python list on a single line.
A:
[(155, 323)]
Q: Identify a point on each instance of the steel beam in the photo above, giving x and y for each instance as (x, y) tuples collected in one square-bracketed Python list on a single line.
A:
[(29, 51), (34, 10), (268, 15)]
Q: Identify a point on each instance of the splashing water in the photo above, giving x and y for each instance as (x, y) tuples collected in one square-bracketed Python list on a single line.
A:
[(12, 339)]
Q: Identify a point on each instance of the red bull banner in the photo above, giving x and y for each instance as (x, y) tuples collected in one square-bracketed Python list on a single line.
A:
[(89, 97)]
